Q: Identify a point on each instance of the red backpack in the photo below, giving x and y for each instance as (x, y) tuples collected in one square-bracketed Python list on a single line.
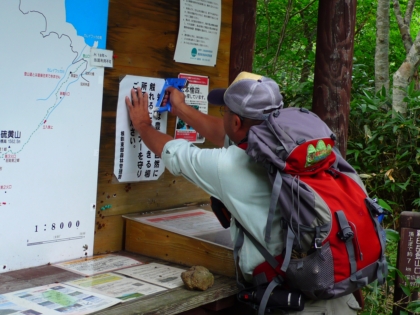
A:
[(333, 241)]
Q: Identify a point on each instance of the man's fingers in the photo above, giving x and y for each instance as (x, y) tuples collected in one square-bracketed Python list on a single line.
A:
[(134, 95), (128, 101)]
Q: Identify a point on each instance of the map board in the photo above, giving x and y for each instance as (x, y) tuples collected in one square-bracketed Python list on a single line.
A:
[(51, 102)]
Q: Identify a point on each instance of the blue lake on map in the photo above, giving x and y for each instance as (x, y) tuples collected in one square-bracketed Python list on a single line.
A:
[(90, 19)]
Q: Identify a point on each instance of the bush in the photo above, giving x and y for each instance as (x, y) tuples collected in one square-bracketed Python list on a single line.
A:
[(383, 147)]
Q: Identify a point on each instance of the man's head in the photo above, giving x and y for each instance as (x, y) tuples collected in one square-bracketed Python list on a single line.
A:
[(249, 96)]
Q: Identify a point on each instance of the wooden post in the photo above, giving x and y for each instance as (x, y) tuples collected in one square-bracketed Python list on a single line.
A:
[(408, 259), (243, 37), (333, 66)]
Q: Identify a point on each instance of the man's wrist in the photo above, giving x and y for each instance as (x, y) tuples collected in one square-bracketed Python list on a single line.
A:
[(142, 125)]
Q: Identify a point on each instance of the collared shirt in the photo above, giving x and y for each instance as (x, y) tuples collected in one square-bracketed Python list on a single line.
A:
[(233, 177)]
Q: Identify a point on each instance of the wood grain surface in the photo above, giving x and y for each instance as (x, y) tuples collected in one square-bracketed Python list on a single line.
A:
[(143, 35)]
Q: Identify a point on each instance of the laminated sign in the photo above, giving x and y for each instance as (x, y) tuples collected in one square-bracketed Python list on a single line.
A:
[(134, 161)]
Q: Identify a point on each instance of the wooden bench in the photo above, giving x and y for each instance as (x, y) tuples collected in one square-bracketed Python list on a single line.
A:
[(219, 299)]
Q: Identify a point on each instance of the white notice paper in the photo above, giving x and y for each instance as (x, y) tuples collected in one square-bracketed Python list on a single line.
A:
[(191, 222), (165, 276), (134, 161), (195, 223), (101, 58), (116, 286), (98, 264), (60, 298), (199, 32), (10, 308)]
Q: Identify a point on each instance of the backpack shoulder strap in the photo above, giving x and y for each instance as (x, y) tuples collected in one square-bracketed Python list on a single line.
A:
[(275, 194), (277, 281)]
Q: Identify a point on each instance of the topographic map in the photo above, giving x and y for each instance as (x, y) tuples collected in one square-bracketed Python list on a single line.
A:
[(50, 101)]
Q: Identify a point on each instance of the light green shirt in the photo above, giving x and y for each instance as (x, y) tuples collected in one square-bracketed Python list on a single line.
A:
[(230, 175)]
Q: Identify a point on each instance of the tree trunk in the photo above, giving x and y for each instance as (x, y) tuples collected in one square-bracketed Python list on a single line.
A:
[(333, 66), (404, 75), (243, 37), (382, 46), (404, 22)]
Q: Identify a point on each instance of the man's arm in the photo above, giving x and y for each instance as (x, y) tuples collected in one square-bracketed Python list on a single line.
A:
[(208, 126), (139, 115)]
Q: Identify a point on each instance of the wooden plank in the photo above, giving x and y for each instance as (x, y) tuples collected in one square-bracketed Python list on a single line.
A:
[(176, 300), (109, 233), (172, 301), (154, 242)]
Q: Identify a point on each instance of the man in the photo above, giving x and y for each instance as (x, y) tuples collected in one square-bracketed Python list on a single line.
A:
[(228, 173)]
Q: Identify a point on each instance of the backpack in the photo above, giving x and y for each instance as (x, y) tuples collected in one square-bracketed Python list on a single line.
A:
[(333, 241)]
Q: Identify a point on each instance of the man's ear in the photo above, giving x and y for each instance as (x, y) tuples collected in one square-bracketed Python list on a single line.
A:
[(237, 123)]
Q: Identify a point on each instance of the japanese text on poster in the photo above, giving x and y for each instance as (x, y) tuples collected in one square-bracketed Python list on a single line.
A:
[(116, 286), (195, 96), (162, 275), (133, 160), (199, 32)]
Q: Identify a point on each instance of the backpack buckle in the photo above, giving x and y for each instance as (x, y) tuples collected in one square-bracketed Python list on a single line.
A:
[(317, 242), (345, 234)]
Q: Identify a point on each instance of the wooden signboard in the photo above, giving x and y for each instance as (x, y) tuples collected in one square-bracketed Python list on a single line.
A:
[(408, 261), (165, 235), (143, 35)]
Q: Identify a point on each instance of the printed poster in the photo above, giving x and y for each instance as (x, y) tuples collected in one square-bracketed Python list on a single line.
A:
[(196, 97), (195, 223), (98, 264), (116, 286), (59, 298), (133, 161), (162, 275), (199, 32)]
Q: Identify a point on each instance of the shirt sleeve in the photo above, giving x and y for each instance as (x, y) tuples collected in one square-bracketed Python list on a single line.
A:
[(199, 166)]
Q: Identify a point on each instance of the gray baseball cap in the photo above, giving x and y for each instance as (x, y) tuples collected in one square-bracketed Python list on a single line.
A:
[(250, 95)]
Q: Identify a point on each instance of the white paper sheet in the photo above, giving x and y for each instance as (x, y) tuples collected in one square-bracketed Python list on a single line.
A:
[(199, 32), (191, 222), (116, 286), (133, 160), (98, 264), (162, 275), (59, 298)]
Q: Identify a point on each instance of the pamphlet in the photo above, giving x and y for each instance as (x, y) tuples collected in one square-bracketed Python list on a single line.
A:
[(98, 264), (116, 286), (162, 275)]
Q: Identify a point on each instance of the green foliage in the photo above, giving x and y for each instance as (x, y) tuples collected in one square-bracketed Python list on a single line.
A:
[(383, 145), (379, 299), (384, 148), (288, 59)]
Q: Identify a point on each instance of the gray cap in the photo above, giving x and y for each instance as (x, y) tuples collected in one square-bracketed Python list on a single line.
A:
[(250, 95)]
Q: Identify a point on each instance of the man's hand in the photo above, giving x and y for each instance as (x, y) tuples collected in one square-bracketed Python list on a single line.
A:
[(176, 98), (138, 109), (139, 115)]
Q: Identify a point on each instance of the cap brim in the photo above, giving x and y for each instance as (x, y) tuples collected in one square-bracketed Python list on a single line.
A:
[(215, 97)]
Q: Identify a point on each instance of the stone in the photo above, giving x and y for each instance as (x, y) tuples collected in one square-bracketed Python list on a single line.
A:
[(197, 278)]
